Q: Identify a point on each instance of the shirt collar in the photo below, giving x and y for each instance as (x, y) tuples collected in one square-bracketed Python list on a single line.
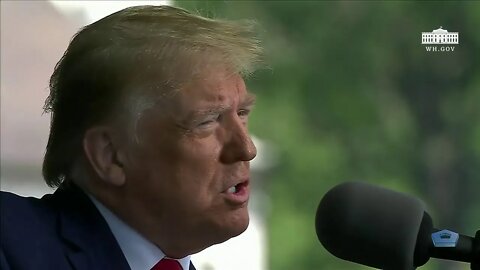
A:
[(140, 253)]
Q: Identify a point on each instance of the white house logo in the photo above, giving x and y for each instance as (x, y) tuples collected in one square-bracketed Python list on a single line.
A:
[(442, 37)]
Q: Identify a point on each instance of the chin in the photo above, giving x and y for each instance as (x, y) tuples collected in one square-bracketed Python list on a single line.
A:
[(231, 225), (237, 223)]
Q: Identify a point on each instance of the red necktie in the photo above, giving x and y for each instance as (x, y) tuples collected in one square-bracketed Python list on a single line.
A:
[(167, 264)]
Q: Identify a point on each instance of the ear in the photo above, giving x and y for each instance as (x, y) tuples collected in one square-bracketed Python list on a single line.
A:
[(105, 155)]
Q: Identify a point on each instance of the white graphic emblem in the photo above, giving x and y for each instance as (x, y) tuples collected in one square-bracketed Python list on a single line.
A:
[(440, 36)]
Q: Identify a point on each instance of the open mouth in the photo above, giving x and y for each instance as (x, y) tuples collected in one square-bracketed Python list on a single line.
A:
[(238, 194), (238, 188)]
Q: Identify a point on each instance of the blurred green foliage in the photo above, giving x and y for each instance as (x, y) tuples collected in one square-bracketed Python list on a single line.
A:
[(352, 94)]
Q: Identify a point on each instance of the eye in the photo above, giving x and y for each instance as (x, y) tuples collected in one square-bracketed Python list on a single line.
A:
[(243, 113), (209, 121), (206, 123)]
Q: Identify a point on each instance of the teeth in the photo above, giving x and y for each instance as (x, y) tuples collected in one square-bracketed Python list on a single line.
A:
[(232, 189)]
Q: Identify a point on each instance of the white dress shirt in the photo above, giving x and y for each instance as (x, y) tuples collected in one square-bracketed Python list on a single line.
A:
[(140, 253)]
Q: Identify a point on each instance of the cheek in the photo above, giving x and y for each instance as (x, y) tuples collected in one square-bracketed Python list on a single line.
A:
[(199, 166), (189, 166), (184, 165)]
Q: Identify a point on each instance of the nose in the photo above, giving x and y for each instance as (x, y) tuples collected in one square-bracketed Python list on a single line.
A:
[(238, 145)]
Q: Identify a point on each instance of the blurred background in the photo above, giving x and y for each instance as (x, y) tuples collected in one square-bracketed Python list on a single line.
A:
[(350, 94)]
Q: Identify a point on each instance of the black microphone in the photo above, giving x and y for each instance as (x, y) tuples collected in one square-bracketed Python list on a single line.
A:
[(385, 229)]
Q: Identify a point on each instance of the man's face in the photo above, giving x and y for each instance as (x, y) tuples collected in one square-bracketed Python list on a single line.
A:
[(188, 179)]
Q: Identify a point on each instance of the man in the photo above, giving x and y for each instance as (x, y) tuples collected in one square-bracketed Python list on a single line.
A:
[(148, 146)]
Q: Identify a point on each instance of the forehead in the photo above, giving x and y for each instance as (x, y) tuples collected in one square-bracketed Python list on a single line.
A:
[(214, 92), (215, 86)]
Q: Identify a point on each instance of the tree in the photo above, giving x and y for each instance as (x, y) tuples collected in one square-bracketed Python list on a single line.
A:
[(352, 94)]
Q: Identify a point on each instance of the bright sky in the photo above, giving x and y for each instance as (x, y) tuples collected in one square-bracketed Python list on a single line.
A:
[(96, 10)]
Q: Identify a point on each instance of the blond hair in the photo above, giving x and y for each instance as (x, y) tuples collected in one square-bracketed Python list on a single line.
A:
[(126, 55)]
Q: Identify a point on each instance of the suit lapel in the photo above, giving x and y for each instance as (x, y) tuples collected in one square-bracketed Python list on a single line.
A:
[(90, 243)]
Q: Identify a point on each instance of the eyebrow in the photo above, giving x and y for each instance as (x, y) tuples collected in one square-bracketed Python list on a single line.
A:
[(248, 101)]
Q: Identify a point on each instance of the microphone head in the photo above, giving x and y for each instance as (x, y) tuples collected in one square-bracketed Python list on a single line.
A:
[(370, 225)]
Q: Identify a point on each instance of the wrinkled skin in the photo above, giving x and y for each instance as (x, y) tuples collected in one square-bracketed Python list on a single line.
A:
[(192, 149)]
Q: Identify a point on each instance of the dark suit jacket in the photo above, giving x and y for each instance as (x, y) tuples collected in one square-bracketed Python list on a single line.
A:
[(60, 231)]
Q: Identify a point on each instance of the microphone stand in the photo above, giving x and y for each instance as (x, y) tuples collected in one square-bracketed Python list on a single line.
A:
[(467, 249), (476, 252)]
